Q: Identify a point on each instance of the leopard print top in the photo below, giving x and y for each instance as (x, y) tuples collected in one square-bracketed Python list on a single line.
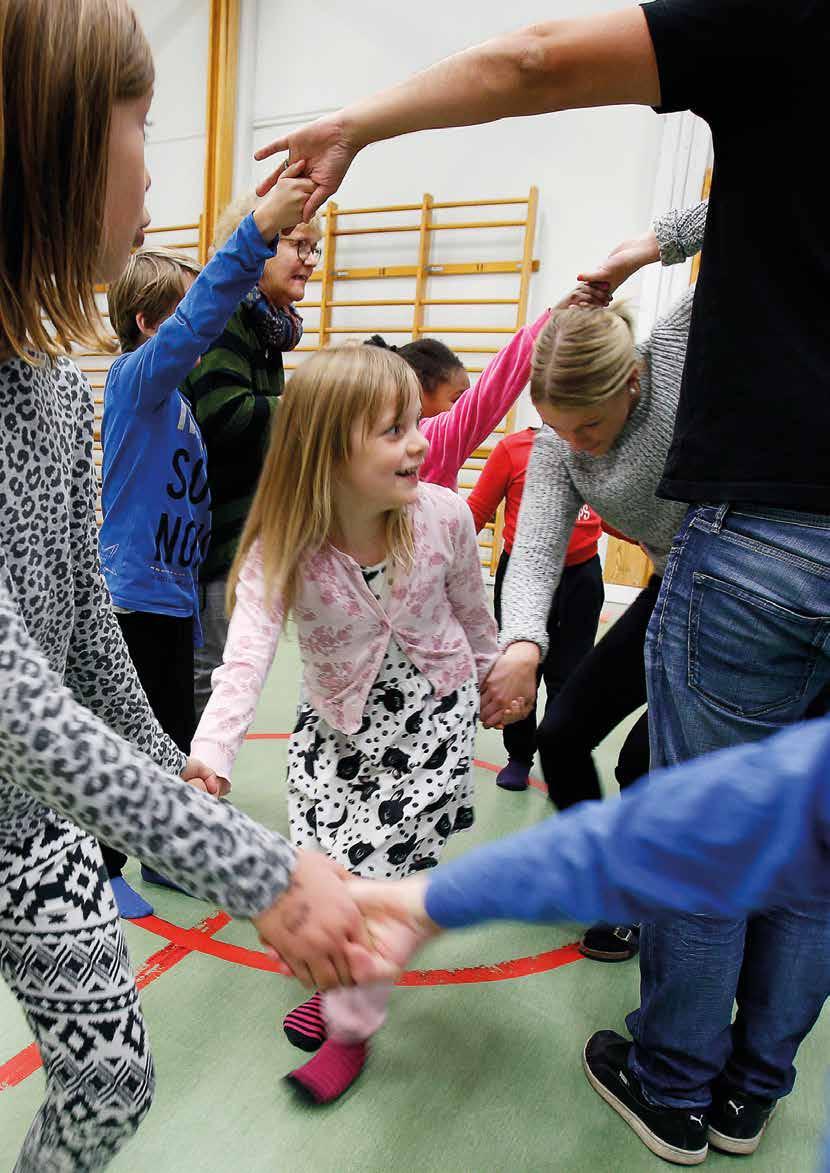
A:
[(76, 731)]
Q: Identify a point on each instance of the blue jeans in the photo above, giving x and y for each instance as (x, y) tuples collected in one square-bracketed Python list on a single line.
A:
[(738, 647)]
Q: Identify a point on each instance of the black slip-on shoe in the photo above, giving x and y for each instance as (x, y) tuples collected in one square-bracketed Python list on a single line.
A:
[(604, 942)]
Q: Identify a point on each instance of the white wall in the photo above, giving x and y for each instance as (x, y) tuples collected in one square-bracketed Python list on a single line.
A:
[(595, 169), (178, 33)]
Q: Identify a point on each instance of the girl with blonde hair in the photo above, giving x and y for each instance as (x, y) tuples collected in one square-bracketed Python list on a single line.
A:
[(609, 406), (80, 750), (381, 574)]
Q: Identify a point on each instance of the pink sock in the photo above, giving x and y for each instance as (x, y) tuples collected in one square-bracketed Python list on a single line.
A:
[(304, 1026), (333, 1069)]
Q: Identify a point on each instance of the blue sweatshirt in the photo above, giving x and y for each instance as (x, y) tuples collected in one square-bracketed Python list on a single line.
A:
[(725, 835), (155, 497)]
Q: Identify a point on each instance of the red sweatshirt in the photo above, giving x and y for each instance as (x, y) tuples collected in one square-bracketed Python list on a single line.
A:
[(504, 476)]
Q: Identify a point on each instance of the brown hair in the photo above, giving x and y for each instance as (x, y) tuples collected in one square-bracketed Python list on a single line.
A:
[(62, 68), (293, 510), (152, 284), (583, 357), (235, 212)]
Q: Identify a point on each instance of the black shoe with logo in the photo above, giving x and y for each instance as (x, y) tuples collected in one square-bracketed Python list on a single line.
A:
[(737, 1120), (677, 1135)]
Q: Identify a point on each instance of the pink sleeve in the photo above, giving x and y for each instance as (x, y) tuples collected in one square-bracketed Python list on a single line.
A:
[(468, 598), (455, 434), (237, 683)]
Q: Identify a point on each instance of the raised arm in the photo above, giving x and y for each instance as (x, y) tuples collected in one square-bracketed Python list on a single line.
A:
[(605, 60), (675, 236), (252, 641), (455, 434)]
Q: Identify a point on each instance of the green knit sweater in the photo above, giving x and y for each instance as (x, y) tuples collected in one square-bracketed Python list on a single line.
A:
[(233, 392)]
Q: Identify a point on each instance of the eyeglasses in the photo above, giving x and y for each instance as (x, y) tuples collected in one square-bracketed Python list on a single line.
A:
[(307, 252)]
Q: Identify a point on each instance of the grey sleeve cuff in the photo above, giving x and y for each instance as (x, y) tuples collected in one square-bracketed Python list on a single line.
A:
[(680, 233)]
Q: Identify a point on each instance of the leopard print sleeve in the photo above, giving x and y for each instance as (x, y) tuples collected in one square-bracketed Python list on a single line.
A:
[(99, 670), (59, 752)]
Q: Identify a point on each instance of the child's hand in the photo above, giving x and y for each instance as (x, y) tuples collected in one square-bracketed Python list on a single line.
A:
[(203, 777), (282, 208)]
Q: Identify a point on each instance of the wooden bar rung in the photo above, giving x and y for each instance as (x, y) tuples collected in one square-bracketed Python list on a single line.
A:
[(405, 301), (472, 330), (479, 224), (172, 228), (369, 330), (456, 269), (377, 231), (375, 211), (472, 301), (481, 203)]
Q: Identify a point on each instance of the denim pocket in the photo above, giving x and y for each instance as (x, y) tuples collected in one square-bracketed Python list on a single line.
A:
[(749, 655)]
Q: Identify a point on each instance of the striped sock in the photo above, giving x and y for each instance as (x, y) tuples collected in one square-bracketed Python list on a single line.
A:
[(333, 1069), (304, 1026)]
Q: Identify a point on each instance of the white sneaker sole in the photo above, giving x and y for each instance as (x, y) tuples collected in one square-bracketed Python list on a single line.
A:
[(743, 1147), (650, 1139)]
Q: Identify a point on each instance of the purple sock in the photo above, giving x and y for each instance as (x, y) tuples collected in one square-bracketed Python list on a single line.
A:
[(513, 776)]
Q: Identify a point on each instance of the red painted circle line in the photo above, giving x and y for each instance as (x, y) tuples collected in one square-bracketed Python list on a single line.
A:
[(500, 971)]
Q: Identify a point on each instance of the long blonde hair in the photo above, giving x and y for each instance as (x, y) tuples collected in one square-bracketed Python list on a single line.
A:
[(63, 66), (583, 357), (293, 511)]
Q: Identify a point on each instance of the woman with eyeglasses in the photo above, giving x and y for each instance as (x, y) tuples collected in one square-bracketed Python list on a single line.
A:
[(233, 392)]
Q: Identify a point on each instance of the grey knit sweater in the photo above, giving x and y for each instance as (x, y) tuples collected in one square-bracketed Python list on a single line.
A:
[(621, 485)]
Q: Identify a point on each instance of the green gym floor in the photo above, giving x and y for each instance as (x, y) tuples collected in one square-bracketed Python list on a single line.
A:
[(478, 1069)]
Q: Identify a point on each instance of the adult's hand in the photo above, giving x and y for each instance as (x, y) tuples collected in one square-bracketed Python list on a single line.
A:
[(623, 261), (313, 922), (328, 149), (510, 688)]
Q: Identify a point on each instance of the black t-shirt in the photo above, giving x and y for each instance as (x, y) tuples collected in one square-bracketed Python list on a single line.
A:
[(753, 424)]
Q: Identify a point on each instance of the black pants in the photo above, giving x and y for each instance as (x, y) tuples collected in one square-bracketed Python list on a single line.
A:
[(606, 687), (161, 648), (572, 629)]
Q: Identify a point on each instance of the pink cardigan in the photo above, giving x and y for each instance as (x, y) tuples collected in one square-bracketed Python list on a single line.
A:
[(454, 435), (438, 613)]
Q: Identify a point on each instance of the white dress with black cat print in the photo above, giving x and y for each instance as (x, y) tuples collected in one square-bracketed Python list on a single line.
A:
[(383, 801)]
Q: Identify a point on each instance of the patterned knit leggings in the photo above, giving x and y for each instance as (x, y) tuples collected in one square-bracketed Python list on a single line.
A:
[(64, 956)]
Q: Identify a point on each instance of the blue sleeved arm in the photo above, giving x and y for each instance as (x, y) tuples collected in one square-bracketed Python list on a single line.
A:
[(724, 834), (149, 374)]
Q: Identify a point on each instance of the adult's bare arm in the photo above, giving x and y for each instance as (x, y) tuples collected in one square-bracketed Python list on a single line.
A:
[(605, 60)]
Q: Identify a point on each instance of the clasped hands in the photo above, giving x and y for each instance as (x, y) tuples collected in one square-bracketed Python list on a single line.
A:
[(330, 929), (509, 692)]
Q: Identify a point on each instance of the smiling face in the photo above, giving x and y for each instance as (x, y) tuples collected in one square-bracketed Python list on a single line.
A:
[(382, 470), (125, 216), (285, 276), (592, 430)]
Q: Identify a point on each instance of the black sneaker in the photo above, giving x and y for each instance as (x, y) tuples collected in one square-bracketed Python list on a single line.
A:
[(675, 1134), (737, 1120), (604, 942)]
